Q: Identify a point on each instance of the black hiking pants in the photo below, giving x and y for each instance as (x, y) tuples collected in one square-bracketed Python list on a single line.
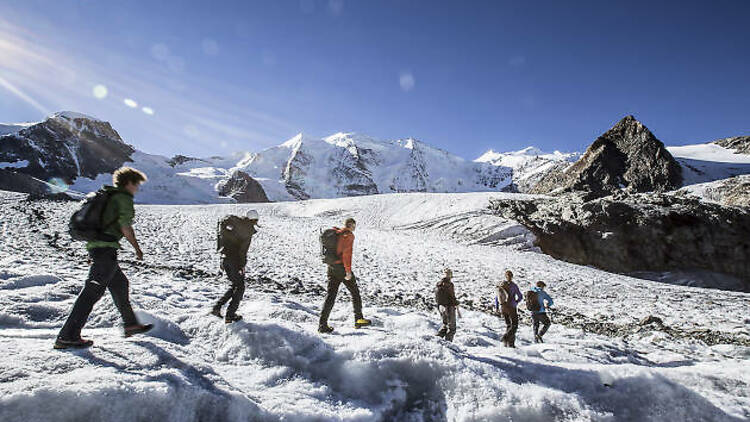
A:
[(543, 319), (236, 276), (511, 323), (448, 313), (104, 274), (336, 275)]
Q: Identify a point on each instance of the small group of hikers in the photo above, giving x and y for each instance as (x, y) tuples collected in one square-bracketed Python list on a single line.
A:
[(538, 302), (106, 217)]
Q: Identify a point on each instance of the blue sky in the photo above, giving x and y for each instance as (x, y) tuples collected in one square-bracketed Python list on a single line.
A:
[(208, 77)]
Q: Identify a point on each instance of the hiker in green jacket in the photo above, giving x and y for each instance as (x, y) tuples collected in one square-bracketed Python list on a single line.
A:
[(105, 273)]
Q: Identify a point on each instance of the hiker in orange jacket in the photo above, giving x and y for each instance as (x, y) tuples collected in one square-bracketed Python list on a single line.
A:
[(341, 272)]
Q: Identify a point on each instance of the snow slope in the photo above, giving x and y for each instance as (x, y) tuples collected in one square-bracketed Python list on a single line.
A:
[(190, 183), (274, 366), (703, 163)]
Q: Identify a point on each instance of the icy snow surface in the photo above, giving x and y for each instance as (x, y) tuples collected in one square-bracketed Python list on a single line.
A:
[(275, 366), (703, 163)]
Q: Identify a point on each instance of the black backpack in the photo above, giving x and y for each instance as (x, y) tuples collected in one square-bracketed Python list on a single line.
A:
[(86, 223), (329, 242), (532, 301)]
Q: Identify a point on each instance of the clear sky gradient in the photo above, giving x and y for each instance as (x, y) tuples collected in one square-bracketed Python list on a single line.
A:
[(209, 77)]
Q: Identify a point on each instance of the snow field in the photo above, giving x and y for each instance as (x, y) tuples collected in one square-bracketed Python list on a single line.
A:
[(274, 365)]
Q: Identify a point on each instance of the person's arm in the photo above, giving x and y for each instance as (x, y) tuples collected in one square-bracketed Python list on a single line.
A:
[(346, 254), (452, 292), (219, 228), (549, 300), (125, 216), (517, 293), (129, 234)]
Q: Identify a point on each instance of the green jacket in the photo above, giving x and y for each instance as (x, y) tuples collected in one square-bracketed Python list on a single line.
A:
[(118, 213)]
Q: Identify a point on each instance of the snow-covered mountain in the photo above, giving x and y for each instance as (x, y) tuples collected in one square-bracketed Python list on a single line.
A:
[(347, 164), (529, 165), (73, 151), (80, 152)]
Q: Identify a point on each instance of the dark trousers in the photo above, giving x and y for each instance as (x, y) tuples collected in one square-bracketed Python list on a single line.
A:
[(104, 274), (235, 293), (336, 274), (448, 313), (511, 323), (542, 318)]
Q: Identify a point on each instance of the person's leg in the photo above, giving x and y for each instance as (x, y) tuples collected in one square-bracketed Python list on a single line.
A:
[(333, 289), (513, 328), (451, 311), (100, 273), (118, 288), (230, 292), (238, 287), (444, 316), (535, 324), (545, 323), (351, 285), (508, 324)]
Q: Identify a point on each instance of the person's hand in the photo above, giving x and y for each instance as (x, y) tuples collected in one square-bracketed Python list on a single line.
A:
[(139, 254), (348, 276)]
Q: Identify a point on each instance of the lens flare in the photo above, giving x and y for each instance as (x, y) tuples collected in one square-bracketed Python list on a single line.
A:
[(130, 103), (100, 91), (148, 110), (57, 185)]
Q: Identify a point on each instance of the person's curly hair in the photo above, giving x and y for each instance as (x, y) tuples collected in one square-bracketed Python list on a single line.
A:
[(124, 175)]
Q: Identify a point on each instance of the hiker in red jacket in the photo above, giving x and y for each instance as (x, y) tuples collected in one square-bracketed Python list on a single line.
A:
[(341, 272)]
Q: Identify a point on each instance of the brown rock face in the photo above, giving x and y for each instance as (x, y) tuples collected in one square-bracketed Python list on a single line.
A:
[(639, 232), (242, 188), (626, 157)]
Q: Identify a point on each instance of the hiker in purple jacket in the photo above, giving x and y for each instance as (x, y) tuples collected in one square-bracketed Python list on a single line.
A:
[(507, 300)]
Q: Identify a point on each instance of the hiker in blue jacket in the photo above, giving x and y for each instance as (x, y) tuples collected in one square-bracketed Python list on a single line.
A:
[(539, 316)]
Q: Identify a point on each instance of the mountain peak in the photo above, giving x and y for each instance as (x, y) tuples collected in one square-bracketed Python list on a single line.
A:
[(293, 141), (72, 115)]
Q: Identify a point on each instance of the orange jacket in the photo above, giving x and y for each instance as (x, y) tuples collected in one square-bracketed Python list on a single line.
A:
[(344, 248)]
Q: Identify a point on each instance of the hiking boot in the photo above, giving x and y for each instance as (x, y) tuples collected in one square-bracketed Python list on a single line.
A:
[(362, 322), (440, 334), (61, 344), (325, 329), (216, 312), (232, 318), (538, 339), (137, 329)]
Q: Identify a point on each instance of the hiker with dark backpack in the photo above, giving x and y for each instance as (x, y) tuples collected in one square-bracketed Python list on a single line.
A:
[(233, 239), (445, 296), (535, 302), (103, 219), (506, 301), (336, 249)]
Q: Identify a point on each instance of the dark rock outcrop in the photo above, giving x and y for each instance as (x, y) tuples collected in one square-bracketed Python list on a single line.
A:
[(65, 146), (181, 159), (625, 233), (740, 144), (242, 188), (626, 157)]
